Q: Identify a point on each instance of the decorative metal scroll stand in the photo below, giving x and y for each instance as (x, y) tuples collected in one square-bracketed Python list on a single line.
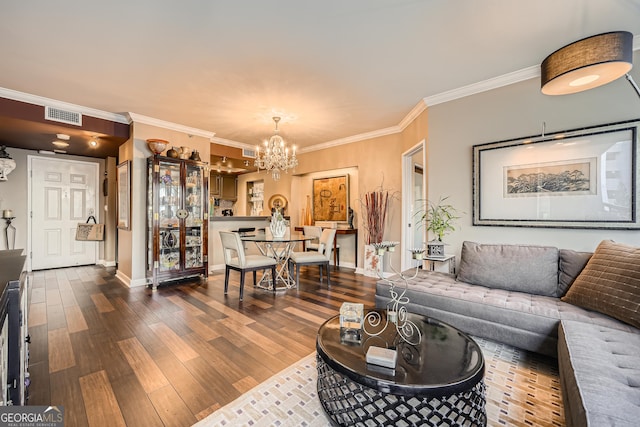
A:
[(396, 308)]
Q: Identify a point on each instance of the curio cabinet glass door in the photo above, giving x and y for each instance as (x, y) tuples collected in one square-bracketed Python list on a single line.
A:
[(177, 218)]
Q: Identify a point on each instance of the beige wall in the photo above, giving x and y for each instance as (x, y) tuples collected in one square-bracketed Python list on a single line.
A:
[(510, 112), (378, 162), (132, 243)]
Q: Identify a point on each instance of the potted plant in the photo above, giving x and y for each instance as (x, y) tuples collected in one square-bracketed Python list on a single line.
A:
[(440, 218)]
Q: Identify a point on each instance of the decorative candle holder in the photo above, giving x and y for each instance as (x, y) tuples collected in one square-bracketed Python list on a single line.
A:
[(351, 323), (351, 315), (397, 314)]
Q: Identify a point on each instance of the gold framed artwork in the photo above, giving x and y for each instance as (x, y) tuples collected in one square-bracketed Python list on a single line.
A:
[(331, 198)]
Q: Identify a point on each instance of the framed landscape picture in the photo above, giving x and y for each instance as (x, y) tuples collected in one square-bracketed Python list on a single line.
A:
[(584, 178), (331, 198)]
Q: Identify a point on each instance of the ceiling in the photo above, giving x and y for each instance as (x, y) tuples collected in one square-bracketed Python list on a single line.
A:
[(331, 69)]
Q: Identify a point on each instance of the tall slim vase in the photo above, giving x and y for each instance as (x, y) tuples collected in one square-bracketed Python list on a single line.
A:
[(307, 212)]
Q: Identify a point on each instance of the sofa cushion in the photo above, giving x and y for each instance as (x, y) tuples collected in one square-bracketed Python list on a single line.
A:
[(570, 267), (600, 374), (610, 283), (522, 268)]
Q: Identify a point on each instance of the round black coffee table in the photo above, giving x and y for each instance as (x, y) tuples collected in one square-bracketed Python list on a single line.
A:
[(438, 382)]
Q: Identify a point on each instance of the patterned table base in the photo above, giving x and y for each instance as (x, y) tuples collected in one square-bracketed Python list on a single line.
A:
[(348, 403)]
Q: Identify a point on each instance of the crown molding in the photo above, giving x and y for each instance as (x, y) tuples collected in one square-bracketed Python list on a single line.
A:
[(351, 139), (406, 121), (48, 102), (232, 143), (483, 86), (139, 118), (413, 114), (496, 82)]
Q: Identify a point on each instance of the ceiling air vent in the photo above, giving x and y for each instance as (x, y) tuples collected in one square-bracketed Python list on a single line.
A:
[(249, 153), (62, 116)]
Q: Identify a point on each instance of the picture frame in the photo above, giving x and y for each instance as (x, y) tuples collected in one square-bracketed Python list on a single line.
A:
[(580, 178), (331, 198), (123, 180)]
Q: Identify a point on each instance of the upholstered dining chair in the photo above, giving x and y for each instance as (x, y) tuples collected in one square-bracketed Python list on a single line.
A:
[(316, 232), (320, 258), (236, 259)]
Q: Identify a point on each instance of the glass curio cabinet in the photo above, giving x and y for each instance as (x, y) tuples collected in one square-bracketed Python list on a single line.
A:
[(177, 219)]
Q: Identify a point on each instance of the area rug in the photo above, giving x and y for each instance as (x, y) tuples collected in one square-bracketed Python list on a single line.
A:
[(523, 389)]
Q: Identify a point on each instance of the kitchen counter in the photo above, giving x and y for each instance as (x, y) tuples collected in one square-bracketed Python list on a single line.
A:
[(237, 218), (242, 218)]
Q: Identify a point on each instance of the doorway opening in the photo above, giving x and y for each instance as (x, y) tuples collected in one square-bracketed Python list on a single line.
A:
[(414, 184)]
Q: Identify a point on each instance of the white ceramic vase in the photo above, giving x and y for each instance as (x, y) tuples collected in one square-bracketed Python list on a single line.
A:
[(278, 228)]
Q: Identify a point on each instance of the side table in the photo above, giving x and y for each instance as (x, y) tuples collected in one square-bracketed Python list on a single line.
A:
[(449, 259)]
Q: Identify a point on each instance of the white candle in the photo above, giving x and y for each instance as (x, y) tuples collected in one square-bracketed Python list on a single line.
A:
[(7, 213)]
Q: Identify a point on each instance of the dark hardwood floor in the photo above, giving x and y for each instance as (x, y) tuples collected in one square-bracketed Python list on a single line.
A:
[(111, 355)]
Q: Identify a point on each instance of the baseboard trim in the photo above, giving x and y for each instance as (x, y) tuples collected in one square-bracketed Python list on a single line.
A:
[(127, 281)]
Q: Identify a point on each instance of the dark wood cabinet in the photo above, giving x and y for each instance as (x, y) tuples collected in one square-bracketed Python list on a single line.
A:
[(224, 186), (177, 219)]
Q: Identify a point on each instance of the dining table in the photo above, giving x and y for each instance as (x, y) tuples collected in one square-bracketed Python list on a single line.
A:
[(280, 249)]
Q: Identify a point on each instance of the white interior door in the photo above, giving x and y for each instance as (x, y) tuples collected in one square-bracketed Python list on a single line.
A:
[(413, 196), (63, 193)]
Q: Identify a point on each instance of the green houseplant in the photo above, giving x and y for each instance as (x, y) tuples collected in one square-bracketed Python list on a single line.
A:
[(440, 218)]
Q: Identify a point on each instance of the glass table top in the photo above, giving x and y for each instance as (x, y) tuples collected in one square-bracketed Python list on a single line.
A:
[(446, 360), (267, 237)]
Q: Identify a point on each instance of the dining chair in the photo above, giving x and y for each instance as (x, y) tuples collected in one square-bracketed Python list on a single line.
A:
[(236, 259), (320, 258), (316, 232)]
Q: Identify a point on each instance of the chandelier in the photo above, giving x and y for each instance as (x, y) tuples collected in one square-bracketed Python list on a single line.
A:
[(275, 157)]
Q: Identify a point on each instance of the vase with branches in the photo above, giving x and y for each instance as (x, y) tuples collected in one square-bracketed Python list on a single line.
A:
[(375, 205)]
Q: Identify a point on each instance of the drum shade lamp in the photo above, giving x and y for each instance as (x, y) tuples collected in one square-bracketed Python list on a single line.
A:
[(588, 63)]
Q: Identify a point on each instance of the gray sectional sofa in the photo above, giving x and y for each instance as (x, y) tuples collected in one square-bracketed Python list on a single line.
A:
[(582, 308)]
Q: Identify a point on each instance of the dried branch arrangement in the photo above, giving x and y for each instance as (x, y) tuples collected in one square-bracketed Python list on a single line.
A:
[(376, 206)]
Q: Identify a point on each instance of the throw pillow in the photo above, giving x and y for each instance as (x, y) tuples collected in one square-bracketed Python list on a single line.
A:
[(571, 265), (610, 283), (521, 268)]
